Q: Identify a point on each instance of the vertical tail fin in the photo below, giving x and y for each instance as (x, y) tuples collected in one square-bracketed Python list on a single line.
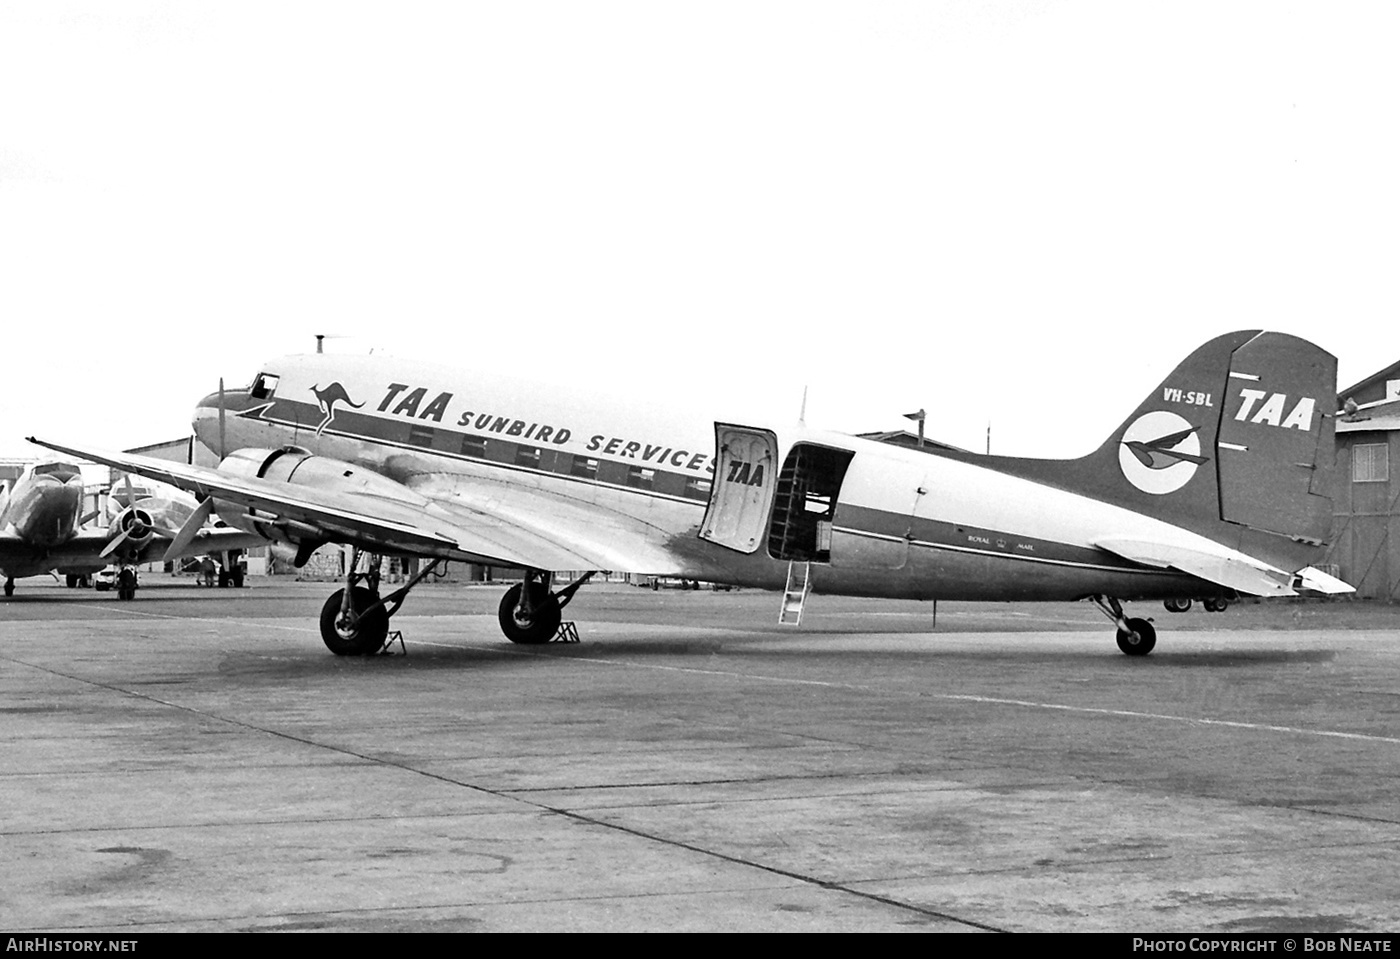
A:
[(1236, 443)]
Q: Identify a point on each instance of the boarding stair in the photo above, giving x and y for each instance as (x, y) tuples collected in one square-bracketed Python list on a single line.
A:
[(799, 585)]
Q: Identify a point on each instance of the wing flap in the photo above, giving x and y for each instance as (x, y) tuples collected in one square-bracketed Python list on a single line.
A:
[(596, 537)]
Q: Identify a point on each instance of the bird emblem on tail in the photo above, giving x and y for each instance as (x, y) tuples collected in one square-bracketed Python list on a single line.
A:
[(328, 397), (1162, 452)]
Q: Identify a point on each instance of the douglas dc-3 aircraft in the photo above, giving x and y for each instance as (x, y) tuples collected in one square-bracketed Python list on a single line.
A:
[(1217, 484), (42, 527)]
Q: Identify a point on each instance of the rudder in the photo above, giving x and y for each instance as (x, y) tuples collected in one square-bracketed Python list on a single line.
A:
[(1277, 438)]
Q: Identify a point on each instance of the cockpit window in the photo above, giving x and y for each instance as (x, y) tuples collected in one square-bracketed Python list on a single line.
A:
[(264, 385), (63, 472)]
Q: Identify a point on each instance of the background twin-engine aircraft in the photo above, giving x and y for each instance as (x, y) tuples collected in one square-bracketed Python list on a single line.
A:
[(43, 528), (1217, 484)]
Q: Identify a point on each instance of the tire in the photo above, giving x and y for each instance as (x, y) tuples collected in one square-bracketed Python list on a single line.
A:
[(1140, 640), (369, 633), (541, 627), (70, 581)]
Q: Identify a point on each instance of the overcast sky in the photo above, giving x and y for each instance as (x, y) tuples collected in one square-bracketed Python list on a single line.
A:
[(1017, 213)]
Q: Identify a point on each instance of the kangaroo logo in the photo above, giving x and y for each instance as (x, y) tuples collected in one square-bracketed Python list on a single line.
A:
[(1159, 452), (335, 393)]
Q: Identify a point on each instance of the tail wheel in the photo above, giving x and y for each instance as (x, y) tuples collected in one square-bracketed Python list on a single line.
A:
[(365, 636), (539, 625), (1138, 639)]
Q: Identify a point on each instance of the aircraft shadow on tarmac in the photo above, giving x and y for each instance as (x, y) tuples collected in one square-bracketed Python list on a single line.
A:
[(775, 649), (701, 651)]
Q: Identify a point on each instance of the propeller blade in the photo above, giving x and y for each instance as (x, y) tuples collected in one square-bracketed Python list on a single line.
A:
[(189, 531), (130, 496), (89, 517), (114, 545)]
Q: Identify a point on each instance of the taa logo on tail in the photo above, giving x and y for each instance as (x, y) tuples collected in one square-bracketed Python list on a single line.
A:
[(1159, 452)]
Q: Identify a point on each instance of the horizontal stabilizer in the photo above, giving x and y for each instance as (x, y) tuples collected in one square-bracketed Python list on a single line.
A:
[(1209, 561), (1315, 579)]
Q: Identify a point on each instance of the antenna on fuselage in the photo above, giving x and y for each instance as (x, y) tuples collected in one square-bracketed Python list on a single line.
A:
[(223, 448), (320, 341), (919, 417), (802, 413)]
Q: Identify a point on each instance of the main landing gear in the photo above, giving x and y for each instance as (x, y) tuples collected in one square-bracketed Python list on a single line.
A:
[(1212, 604), (354, 620), (1136, 637), (530, 612)]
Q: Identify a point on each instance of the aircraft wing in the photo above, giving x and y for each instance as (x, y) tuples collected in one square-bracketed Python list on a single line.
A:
[(1222, 566), (18, 558), (457, 526), (208, 541)]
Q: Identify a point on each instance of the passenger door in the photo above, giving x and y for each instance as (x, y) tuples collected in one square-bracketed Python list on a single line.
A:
[(741, 498)]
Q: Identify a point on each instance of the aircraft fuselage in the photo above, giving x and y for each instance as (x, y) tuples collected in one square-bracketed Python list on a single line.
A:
[(895, 522)]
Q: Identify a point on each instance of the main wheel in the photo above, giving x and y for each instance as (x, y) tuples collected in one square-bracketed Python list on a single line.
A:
[(1138, 639), (543, 621), (366, 637)]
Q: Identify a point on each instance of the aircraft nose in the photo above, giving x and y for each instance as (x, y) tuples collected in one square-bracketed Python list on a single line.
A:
[(210, 403), (206, 421)]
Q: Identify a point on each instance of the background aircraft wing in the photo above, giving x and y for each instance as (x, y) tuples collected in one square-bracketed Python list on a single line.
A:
[(436, 523), (15, 553), (206, 541)]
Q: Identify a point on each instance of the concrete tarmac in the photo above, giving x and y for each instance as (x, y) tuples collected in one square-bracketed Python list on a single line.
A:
[(196, 760)]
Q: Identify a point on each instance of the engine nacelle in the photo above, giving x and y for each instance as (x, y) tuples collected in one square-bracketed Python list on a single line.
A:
[(301, 467), (137, 525)]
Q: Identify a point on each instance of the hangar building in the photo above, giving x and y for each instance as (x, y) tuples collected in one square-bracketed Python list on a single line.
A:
[(1365, 548)]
